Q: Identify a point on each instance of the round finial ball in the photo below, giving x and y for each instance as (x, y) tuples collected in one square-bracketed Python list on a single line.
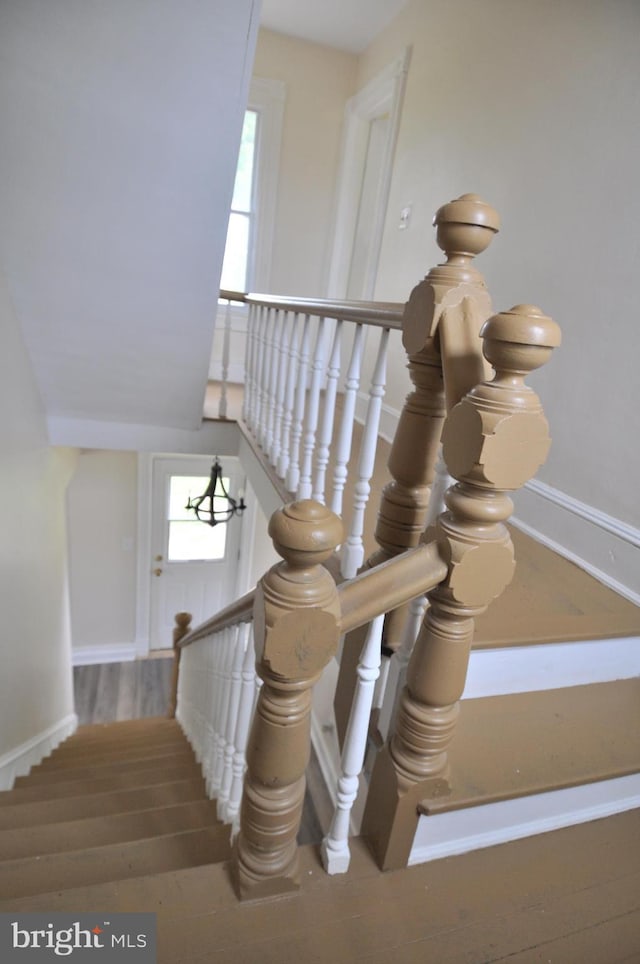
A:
[(520, 339), (305, 533), (183, 620), (466, 226)]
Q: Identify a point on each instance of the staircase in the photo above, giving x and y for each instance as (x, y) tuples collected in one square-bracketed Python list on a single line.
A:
[(114, 801)]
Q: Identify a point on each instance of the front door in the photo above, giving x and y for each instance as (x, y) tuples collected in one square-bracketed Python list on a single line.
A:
[(193, 565)]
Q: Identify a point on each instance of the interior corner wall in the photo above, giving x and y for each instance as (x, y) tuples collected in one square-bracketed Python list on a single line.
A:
[(319, 81), (36, 691), (531, 105), (102, 516)]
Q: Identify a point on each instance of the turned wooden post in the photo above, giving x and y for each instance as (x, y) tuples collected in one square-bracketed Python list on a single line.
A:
[(296, 624), (182, 627), (494, 441), (440, 332)]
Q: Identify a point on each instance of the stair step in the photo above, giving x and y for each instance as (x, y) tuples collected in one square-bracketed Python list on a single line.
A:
[(79, 868), (40, 776), (72, 787), (528, 743), (88, 757), (124, 730), (68, 835), (78, 742), (98, 804)]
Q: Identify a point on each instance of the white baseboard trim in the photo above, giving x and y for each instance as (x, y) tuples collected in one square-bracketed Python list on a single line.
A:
[(462, 831), (550, 666), (603, 546), (18, 762), (109, 653)]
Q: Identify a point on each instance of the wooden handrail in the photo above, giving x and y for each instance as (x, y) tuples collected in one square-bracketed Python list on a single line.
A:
[(380, 313), (240, 611), (389, 585)]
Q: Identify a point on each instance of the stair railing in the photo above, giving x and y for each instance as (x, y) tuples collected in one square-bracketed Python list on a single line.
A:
[(495, 437)]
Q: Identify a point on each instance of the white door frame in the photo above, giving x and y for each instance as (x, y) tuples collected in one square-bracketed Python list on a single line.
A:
[(144, 536), (382, 95)]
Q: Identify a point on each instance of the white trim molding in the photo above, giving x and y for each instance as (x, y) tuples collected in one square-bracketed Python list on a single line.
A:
[(104, 653), (18, 762), (603, 546)]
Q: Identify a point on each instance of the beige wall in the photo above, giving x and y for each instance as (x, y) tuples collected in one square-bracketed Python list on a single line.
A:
[(102, 549), (535, 106), (319, 81), (35, 685)]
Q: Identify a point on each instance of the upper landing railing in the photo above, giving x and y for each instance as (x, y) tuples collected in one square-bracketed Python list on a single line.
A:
[(418, 594), (303, 392)]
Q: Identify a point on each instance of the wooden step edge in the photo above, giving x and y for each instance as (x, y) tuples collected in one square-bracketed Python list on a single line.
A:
[(120, 738), (137, 725), (123, 755), (36, 792), (30, 876), (94, 805), (70, 835), (529, 743), (38, 776)]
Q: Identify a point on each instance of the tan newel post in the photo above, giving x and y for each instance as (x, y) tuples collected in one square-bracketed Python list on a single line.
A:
[(494, 441), (296, 623), (183, 623), (441, 325)]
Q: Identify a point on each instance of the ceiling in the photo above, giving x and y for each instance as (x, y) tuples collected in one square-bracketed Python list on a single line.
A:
[(345, 24)]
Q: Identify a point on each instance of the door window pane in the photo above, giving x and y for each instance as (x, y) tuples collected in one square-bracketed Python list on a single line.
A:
[(243, 187), (236, 253), (189, 539)]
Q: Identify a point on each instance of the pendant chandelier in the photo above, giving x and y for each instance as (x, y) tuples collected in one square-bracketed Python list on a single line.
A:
[(215, 505)]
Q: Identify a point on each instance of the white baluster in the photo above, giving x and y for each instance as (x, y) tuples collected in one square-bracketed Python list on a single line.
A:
[(313, 409), (345, 432), (222, 407), (248, 373), (293, 472), (335, 846), (353, 549), (289, 399), (245, 713), (264, 376), (441, 482), (223, 709), (257, 356), (281, 388), (274, 367), (328, 414), (235, 686)]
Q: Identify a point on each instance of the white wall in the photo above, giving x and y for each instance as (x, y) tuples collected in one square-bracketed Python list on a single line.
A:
[(102, 516), (36, 695), (319, 81), (535, 107)]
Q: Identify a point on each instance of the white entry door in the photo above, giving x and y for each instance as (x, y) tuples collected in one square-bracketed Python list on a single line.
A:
[(193, 565)]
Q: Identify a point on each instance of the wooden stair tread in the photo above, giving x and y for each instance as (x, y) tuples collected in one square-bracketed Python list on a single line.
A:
[(47, 838), (98, 804), (73, 787), (27, 876), (526, 743), (93, 758), (122, 729), (576, 606), (522, 897), (63, 774), (80, 744)]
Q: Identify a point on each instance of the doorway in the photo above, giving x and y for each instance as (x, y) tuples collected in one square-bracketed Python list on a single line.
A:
[(191, 567)]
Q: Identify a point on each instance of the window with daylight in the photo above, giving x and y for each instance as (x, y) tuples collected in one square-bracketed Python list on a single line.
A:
[(236, 267), (247, 256)]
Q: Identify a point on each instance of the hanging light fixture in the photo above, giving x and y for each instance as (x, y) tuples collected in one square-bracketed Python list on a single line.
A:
[(215, 505)]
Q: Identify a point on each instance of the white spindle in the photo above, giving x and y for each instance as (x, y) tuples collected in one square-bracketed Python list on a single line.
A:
[(397, 671), (313, 409), (293, 472), (345, 432), (289, 398), (245, 712), (281, 386), (222, 407), (441, 482), (235, 686), (328, 415), (247, 396), (353, 549), (264, 376), (335, 846), (257, 356), (274, 367), (226, 660)]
